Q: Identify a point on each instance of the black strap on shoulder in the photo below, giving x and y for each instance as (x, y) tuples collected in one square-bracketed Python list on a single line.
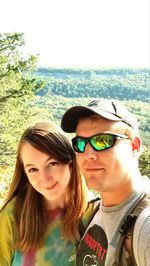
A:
[(95, 209), (126, 232), (81, 225), (94, 200)]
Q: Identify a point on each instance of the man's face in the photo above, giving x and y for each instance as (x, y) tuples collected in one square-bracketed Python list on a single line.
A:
[(106, 170)]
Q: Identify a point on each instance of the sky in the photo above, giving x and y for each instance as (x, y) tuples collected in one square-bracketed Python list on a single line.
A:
[(82, 33)]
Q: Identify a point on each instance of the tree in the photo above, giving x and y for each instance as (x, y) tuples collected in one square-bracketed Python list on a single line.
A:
[(145, 163), (15, 81), (17, 87)]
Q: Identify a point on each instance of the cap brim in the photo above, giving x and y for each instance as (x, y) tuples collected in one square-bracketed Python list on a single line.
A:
[(71, 116)]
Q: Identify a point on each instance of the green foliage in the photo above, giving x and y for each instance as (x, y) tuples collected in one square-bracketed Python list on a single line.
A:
[(123, 84), (17, 87), (145, 162), (15, 81)]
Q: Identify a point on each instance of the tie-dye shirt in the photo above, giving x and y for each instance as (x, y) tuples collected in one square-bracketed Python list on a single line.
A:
[(55, 251)]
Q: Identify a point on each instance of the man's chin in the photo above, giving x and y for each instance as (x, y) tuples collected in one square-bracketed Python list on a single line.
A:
[(92, 186)]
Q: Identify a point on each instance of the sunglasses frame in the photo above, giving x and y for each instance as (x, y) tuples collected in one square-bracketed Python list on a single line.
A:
[(88, 140)]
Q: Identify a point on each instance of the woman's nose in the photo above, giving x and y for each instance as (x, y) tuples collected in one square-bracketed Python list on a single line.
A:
[(45, 174)]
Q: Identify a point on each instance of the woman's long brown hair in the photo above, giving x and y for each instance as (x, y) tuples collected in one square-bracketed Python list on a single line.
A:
[(29, 212)]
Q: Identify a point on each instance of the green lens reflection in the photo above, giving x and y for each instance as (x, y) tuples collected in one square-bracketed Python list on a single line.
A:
[(102, 142), (81, 144)]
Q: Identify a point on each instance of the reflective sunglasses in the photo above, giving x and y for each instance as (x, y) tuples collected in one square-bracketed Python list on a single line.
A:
[(98, 142)]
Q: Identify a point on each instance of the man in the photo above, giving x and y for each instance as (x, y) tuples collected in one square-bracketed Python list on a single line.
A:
[(108, 147)]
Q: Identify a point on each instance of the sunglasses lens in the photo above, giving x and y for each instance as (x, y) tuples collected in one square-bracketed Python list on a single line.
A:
[(99, 142), (79, 144), (102, 142)]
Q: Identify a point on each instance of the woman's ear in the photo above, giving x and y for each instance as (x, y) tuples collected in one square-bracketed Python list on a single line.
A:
[(136, 144)]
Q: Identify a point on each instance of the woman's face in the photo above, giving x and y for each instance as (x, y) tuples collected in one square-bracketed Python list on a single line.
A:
[(47, 175)]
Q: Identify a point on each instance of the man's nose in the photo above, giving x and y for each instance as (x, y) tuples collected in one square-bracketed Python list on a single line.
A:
[(90, 153)]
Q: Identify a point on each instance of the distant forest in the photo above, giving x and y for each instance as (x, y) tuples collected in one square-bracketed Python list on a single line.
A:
[(122, 84)]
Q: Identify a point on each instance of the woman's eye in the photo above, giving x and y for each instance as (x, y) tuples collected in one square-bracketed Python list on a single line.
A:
[(32, 170), (52, 163)]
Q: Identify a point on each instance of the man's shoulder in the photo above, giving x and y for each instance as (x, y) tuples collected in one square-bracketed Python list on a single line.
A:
[(142, 225), (143, 219), (141, 237), (142, 210)]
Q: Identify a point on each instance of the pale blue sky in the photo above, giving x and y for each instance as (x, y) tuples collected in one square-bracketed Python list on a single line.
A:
[(82, 33)]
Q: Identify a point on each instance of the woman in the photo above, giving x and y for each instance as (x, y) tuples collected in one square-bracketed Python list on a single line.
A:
[(40, 218)]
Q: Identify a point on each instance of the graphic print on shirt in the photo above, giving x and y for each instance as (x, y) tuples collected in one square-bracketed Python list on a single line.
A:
[(55, 250), (93, 247)]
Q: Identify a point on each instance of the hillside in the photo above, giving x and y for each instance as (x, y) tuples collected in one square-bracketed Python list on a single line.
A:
[(122, 84)]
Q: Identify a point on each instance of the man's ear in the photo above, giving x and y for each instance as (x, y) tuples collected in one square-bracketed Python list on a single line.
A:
[(136, 144)]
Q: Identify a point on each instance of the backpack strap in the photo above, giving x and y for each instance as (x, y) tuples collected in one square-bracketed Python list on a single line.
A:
[(126, 230)]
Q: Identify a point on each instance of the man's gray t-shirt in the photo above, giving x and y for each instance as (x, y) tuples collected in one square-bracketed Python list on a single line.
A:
[(100, 240)]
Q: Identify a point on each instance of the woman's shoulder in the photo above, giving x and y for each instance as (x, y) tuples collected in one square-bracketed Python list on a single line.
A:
[(8, 208)]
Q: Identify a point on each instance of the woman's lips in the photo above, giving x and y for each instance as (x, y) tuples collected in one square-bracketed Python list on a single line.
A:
[(51, 187)]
